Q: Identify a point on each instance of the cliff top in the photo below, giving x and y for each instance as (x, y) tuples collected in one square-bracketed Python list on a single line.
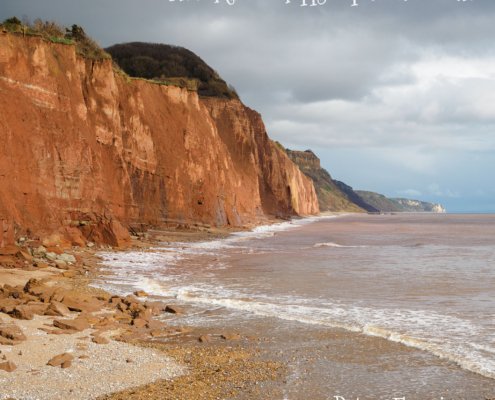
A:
[(53, 32), (159, 63)]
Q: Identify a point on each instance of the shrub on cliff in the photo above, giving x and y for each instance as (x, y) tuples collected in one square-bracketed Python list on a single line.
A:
[(170, 64), (50, 30), (12, 25), (85, 46)]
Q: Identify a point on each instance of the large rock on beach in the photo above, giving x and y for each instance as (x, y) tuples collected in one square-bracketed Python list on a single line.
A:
[(231, 336), (23, 312), (8, 366), (11, 332), (57, 309), (80, 302), (8, 305), (78, 324), (174, 309), (59, 360)]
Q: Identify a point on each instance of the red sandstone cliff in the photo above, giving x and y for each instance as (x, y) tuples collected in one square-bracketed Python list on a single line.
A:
[(87, 153)]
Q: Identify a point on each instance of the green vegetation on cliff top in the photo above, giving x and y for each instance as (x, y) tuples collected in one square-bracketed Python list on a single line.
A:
[(159, 63), (53, 32), (170, 64)]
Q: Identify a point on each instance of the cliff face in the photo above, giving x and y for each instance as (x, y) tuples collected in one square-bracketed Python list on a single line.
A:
[(409, 205), (385, 204), (86, 152), (330, 196), (353, 196)]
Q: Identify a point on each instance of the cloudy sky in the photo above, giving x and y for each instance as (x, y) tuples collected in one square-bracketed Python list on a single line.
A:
[(395, 96)]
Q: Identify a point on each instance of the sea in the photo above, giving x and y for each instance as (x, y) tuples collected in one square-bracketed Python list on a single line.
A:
[(358, 306)]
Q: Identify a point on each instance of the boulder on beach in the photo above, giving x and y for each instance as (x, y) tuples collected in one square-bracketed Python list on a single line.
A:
[(174, 309), (22, 312), (78, 324), (8, 366), (57, 361), (11, 332), (231, 336), (81, 302), (57, 309), (204, 338), (100, 340)]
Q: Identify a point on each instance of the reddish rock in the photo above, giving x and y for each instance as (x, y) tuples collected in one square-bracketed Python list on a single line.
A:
[(8, 366), (56, 241), (156, 307), (231, 336), (57, 309), (11, 332), (139, 323), (156, 324), (204, 339), (140, 293), (100, 340), (159, 332), (7, 342), (78, 324), (69, 274), (25, 256), (79, 302), (11, 250), (145, 314), (123, 318), (60, 264), (31, 284), (174, 310), (120, 152), (22, 312), (57, 361), (115, 300), (58, 295), (92, 319), (8, 305), (36, 288)]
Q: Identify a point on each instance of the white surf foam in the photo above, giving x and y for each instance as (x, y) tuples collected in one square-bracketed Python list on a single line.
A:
[(440, 335), (336, 245), (445, 336)]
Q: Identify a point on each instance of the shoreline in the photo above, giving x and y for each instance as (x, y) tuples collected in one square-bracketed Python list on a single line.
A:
[(215, 366), (109, 327)]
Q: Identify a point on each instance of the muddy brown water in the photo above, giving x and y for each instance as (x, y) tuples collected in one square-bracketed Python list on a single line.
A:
[(357, 306)]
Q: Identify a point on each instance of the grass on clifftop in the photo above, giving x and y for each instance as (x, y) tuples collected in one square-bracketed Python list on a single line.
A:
[(51, 31)]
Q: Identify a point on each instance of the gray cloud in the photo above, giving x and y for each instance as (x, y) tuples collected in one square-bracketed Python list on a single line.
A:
[(392, 94)]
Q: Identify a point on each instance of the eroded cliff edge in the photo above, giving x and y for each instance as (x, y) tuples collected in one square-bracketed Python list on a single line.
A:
[(87, 153)]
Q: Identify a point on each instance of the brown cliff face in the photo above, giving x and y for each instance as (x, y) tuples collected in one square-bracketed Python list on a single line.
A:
[(87, 152)]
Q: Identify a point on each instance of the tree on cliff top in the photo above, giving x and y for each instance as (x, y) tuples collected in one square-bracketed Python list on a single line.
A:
[(163, 62)]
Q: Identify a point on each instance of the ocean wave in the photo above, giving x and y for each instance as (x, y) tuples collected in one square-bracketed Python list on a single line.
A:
[(426, 331), (332, 244)]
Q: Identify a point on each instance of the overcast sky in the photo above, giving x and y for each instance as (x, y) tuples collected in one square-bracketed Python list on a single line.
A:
[(395, 96)]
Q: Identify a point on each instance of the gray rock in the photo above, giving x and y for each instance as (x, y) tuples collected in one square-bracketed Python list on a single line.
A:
[(68, 258)]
